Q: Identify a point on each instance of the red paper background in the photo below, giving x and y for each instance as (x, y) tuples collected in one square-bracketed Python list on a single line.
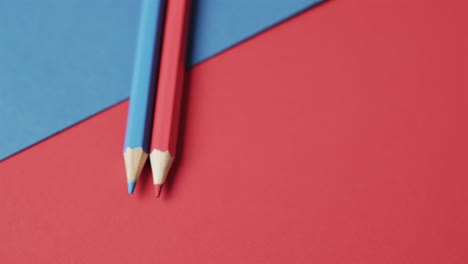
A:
[(340, 136)]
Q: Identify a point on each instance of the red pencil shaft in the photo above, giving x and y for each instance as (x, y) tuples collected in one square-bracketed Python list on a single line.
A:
[(171, 76)]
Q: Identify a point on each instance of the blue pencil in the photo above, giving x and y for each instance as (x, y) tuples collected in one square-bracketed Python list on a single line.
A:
[(142, 94)]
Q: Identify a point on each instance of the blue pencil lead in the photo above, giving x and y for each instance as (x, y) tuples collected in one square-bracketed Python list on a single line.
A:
[(131, 187)]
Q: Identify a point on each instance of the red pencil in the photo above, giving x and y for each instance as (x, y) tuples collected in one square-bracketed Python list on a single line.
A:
[(169, 93)]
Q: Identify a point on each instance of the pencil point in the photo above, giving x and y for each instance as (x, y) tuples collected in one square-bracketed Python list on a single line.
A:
[(160, 163), (158, 188), (131, 187), (134, 162)]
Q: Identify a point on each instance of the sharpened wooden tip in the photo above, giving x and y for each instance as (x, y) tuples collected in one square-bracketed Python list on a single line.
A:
[(157, 190), (135, 160), (160, 164)]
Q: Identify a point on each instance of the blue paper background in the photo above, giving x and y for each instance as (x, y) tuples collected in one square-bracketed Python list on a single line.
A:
[(62, 61)]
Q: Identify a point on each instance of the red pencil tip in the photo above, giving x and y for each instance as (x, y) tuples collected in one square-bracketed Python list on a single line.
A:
[(158, 188)]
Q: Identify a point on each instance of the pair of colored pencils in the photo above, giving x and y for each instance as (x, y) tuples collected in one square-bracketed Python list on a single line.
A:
[(155, 97)]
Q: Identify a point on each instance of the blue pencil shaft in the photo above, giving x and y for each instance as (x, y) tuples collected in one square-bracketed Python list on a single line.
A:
[(145, 75)]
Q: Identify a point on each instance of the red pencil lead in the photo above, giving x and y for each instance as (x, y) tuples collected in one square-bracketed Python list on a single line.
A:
[(158, 188)]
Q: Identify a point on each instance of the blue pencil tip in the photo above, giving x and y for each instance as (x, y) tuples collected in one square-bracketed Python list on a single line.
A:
[(131, 187)]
